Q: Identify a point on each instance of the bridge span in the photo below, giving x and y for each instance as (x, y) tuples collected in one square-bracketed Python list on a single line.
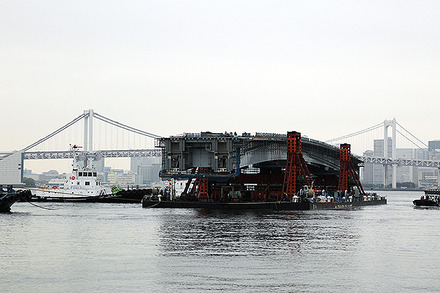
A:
[(223, 154)]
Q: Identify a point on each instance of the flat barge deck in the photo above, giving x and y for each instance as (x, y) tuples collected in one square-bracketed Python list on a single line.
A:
[(274, 205)]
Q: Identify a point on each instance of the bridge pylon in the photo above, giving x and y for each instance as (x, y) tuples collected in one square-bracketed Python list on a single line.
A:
[(88, 130), (393, 125)]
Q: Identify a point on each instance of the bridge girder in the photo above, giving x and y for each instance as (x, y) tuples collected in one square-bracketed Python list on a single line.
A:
[(401, 162), (50, 155), (264, 150)]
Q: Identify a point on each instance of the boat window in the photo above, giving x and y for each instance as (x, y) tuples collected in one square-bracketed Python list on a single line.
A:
[(77, 183), (90, 174), (80, 174), (87, 183), (94, 174)]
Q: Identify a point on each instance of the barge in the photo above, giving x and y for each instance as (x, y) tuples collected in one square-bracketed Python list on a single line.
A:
[(268, 171), (271, 205)]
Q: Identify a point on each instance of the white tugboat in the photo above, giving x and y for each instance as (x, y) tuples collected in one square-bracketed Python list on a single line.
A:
[(84, 184)]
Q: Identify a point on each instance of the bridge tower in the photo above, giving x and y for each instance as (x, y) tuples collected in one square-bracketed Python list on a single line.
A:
[(88, 130), (295, 165), (386, 125)]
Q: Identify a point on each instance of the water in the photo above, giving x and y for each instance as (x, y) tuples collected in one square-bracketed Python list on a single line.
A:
[(80, 247)]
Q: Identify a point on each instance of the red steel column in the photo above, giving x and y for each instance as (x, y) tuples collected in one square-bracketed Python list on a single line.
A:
[(293, 163), (347, 169), (344, 171), (203, 188)]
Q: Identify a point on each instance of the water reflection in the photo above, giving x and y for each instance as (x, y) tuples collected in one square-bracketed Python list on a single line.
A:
[(256, 233)]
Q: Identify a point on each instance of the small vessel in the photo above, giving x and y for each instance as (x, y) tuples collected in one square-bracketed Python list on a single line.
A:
[(9, 196), (83, 184), (430, 199)]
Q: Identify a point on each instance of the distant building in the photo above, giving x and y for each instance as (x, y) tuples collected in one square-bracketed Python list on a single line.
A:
[(28, 174), (374, 174), (11, 171), (123, 180), (146, 169), (49, 175), (434, 145)]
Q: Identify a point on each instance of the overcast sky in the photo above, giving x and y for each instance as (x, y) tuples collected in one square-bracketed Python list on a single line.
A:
[(323, 68)]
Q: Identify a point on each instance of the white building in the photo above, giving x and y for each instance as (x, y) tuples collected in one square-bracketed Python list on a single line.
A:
[(11, 169)]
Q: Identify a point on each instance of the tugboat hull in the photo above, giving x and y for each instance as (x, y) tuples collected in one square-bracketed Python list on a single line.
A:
[(7, 200)]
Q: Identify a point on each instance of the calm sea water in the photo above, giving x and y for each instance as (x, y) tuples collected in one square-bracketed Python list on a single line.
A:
[(76, 247)]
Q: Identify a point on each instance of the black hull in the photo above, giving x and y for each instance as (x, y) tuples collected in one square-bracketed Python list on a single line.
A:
[(425, 203), (293, 206), (346, 205), (93, 199), (131, 196), (6, 201)]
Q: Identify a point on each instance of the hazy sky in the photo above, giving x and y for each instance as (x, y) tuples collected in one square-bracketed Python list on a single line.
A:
[(324, 68)]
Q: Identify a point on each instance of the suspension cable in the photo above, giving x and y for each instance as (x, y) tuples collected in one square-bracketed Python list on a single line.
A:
[(433, 150), (409, 139), (54, 133), (356, 133), (123, 126), (411, 135)]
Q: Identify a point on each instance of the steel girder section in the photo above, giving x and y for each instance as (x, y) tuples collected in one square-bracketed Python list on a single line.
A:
[(263, 152), (49, 155), (260, 151)]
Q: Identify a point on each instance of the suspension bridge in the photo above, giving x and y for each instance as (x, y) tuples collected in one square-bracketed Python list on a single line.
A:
[(97, 134), (388, 152), (88, 118)]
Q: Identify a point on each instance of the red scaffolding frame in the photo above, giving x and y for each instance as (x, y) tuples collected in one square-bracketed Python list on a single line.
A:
[(295, 165), (347, 169)]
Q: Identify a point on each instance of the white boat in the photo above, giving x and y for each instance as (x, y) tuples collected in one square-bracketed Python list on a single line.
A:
[(85, 183)]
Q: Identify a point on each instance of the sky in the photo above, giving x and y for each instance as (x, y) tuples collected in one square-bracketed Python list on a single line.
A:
[(323, 68)]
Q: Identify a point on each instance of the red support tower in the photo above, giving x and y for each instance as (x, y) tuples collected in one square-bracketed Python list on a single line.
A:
[(199, 186), (203, 189), (347, 169), (295, 165)]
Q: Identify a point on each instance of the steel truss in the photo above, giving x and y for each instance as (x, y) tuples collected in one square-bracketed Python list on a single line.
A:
[(46, 155), (401, 162)]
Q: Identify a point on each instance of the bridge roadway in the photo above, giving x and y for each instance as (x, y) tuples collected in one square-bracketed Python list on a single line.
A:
[(401, 162), (42, 155)]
